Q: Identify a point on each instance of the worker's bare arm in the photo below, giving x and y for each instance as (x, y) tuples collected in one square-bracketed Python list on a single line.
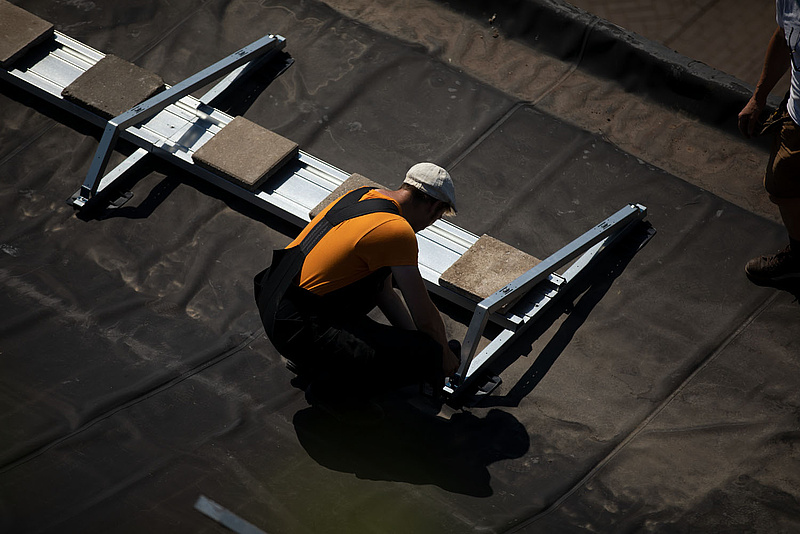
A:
[(776, 63), (423, 312), (393, 307)]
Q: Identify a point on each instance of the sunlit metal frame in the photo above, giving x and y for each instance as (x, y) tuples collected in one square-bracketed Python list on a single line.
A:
[(157, 103), (173, 124), (542, 284)]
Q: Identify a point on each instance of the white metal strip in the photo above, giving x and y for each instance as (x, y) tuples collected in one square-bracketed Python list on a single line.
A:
[(225, 517)]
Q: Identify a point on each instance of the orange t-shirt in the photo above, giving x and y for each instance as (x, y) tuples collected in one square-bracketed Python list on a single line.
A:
[(355, 248)]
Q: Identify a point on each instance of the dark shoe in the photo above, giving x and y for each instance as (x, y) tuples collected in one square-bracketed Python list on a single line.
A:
[(774, 270), (356, 412)]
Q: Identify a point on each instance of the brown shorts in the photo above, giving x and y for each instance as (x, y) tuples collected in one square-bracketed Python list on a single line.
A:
[(782, 179)]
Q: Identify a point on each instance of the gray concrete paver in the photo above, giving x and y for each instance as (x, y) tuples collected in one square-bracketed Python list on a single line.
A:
[(19, 31)]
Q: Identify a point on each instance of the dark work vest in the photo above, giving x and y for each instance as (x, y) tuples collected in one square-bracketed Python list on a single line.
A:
[(271, 284)]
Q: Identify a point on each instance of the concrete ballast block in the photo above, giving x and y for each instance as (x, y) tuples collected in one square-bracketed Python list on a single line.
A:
[(112, 86), (353, 182), (487, 266), (19, 32), (245, 153)]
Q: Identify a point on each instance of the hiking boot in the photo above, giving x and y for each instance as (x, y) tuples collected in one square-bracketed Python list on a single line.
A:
[(774, 269)]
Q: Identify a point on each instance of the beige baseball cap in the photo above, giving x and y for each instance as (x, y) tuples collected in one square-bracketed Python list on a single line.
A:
[(434, 181)]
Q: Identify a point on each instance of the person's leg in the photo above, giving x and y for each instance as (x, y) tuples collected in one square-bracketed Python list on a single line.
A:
[(782, 182), (401, 357), (790, 213), (362, 358), (344, 353)]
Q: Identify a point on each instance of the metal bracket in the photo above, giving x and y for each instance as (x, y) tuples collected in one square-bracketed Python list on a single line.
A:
[(157, 103), (584, 248)]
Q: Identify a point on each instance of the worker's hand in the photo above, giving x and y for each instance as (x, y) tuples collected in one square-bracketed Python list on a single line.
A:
[(748, 117), (450, 362)]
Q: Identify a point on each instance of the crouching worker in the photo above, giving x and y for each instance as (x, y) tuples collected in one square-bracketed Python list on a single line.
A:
[(315, 297)]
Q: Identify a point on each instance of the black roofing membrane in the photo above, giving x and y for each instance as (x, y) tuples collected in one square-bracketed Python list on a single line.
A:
[(659, 395)]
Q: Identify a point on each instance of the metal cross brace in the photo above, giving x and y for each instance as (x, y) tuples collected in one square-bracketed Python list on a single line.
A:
[(586, 246), (155, 104)]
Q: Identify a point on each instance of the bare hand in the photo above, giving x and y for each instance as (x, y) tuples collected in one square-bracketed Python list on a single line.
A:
[(748, 117)]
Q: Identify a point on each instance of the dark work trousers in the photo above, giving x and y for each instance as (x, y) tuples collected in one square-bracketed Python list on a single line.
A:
[(345, 353)]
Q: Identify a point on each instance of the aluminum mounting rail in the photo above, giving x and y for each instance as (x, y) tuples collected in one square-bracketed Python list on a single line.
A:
[(173, 125)]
